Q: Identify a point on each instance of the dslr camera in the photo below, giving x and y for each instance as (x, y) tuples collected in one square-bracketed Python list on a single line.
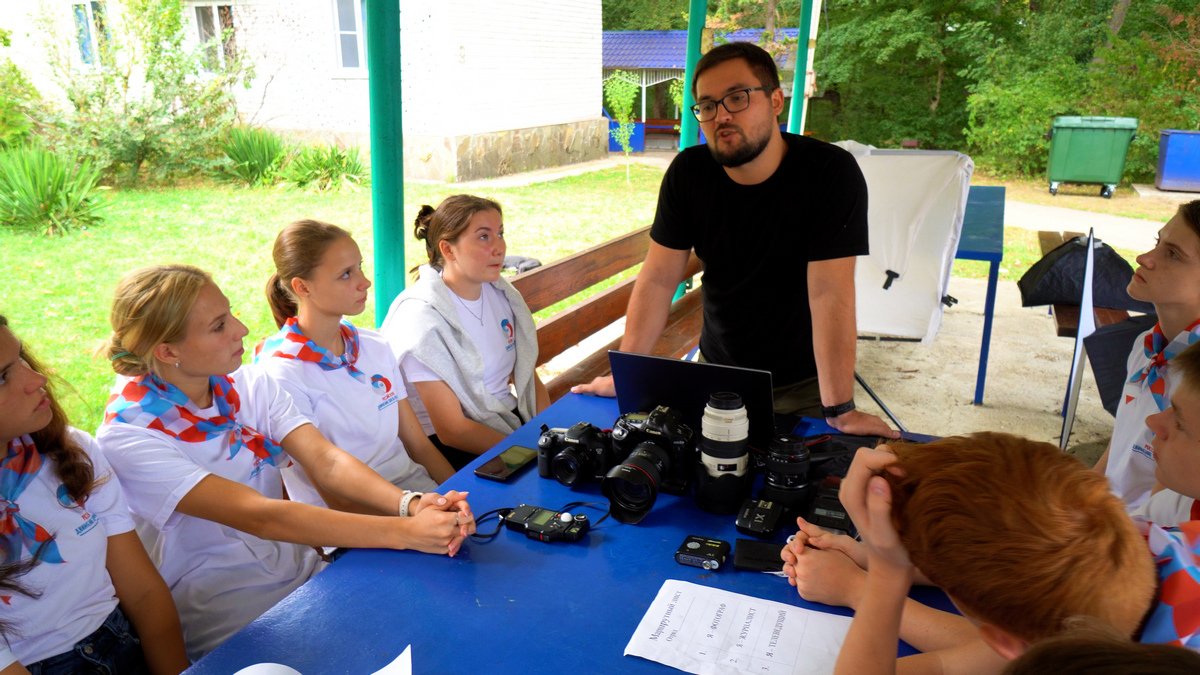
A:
[(658, 452), (581, 454)]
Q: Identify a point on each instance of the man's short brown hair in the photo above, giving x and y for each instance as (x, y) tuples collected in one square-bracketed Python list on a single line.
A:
[(761, 63), (1021, 535)]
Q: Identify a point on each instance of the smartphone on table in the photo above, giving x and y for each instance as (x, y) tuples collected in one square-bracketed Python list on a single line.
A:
[(506, 464)]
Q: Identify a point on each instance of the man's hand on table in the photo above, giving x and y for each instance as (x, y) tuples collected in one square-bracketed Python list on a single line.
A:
[(859, 423), (601, 386)]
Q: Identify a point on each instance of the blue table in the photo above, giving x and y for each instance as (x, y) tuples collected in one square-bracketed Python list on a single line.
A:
[(983, 239), (511, 605)]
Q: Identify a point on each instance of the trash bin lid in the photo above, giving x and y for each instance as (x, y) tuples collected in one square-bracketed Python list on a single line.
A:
[(1077, 122), (1184, 132)]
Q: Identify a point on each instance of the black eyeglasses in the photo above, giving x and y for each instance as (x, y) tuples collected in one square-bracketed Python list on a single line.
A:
[(734, 101)]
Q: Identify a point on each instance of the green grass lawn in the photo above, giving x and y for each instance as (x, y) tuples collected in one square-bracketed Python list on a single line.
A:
[(59, 288)]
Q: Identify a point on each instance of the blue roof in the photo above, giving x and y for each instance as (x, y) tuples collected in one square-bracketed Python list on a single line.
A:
[(667, 48)]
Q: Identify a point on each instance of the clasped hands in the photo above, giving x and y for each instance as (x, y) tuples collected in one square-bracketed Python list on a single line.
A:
[(831, 568), (448, 518)]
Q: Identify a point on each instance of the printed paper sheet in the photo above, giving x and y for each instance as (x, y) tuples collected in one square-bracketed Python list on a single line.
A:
[(707, 631)]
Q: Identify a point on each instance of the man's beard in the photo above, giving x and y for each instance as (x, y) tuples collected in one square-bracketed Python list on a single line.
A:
[(749, 150)]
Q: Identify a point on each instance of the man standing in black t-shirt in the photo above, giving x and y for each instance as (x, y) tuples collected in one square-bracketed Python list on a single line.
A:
[(777, 220)]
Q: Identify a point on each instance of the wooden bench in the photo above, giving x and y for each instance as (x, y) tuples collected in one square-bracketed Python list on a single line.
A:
[(561, 279), (1066, 317)]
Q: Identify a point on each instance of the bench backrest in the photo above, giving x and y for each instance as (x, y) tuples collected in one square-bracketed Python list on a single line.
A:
[(544, 286)]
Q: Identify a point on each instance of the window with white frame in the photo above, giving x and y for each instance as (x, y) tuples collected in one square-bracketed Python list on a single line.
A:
[(351, 38), (91, 32), (214, 30)]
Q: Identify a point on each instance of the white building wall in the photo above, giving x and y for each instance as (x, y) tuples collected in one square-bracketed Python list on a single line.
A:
[(469, 66)]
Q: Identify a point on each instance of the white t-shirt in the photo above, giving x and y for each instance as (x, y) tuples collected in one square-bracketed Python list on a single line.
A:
[(77, 595), (1130, 469), (489, 321), (357, 417), (221, 578), (1168, 508)]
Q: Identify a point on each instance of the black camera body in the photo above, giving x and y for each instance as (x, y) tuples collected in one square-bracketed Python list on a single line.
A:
[(581, 454), (662, 427)]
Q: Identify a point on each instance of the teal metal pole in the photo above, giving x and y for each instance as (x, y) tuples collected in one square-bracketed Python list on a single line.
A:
[(382, 19), (689, 128), (797, 111)]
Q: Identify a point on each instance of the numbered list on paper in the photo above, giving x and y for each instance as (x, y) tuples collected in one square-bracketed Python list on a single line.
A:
[(708, 631)]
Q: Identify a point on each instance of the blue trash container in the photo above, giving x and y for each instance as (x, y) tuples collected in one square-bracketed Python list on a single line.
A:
[(1178, 161)]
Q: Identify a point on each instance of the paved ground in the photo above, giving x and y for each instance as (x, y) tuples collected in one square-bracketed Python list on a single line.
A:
[(1134, 234)]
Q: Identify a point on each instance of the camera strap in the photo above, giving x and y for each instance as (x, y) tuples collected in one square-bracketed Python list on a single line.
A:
[(501, 514)]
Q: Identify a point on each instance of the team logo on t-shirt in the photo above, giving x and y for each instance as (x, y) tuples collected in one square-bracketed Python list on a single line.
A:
[(507, 327), (89, 519), (384, 387)]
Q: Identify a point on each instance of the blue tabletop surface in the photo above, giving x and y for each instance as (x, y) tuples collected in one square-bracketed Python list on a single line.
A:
[(983, 224), (508, 605)]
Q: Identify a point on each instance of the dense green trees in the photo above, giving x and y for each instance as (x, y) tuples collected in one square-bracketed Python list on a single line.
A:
[(983, 76)]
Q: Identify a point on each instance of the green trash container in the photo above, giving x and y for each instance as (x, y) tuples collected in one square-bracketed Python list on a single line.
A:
[(1089, 151)]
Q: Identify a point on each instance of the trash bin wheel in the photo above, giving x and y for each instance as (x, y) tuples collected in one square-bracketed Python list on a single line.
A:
[(1107, 191)]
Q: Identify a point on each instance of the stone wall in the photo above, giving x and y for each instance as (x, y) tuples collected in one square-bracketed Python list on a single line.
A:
[(487, 155)]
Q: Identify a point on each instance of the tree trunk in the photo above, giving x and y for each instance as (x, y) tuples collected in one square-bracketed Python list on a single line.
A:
[(1117, 20), (1114, 26), (937, 91), (770, 24)]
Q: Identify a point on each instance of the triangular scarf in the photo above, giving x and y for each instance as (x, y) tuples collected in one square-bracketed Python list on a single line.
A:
[(21, 465), (1176, 618), (290, 343), (148, 402), (1159, 351)]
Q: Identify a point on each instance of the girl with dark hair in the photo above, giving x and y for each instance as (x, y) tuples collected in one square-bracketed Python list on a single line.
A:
[(198, 443), (341, 377), (1168, 276), (93, 601), (463, 335)]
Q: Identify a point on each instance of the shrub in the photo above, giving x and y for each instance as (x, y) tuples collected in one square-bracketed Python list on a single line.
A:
[(323, 168), (150, 105), (256, 155), (41, 190)]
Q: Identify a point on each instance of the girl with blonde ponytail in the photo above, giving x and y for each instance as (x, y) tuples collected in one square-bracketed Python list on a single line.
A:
[(342, 377), (198, 443)]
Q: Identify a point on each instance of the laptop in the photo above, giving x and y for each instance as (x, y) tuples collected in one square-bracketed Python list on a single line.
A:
[(643, 382)]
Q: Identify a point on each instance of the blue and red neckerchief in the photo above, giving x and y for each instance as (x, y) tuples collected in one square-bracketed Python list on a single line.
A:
[(146, 401), (290, 343), (21, 465), (1175, 620), (1160, 351)]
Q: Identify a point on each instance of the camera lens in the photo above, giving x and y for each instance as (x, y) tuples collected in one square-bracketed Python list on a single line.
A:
[(787, 481), (572, 467), (724, 430), (632, 487)]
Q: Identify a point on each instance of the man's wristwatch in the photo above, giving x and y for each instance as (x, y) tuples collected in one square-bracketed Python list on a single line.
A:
[(830, 411)]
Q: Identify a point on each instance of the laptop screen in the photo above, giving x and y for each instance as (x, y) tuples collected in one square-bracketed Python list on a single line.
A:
[(643, 382)]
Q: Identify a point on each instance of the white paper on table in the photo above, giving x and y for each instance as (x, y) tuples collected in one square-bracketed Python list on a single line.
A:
[(401, 666), (707, 631), (267, 669)]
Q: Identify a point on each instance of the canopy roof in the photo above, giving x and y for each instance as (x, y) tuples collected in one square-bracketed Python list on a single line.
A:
[(668, 48)]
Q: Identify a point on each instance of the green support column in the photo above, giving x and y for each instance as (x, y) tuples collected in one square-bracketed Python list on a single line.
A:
[(689, 127), (382, 18), (798, 109)]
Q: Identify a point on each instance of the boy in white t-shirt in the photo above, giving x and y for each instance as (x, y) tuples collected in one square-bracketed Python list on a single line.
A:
[(1176, 448)]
